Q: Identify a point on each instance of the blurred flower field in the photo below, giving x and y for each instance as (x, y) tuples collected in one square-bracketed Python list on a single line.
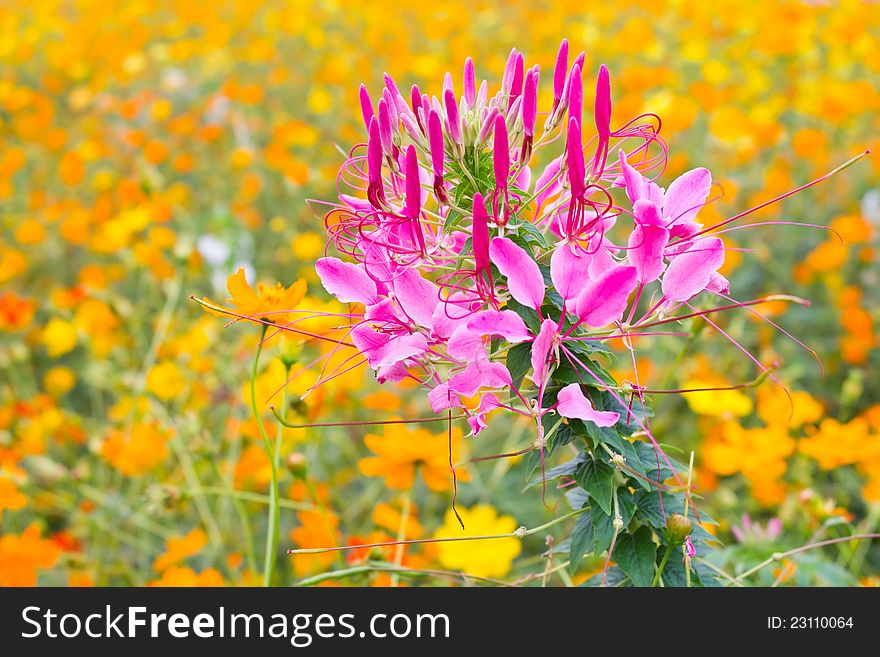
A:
[(153, 153)]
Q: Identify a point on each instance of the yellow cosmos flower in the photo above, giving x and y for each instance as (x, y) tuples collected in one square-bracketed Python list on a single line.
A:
[(401, 450), (165, 381), (486, 558), (59, 337), (269, 302), (179, 548), (716, 403), (137, 451)]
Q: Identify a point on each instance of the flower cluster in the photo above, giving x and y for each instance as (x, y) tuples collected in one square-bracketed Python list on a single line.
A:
[(456, 255)]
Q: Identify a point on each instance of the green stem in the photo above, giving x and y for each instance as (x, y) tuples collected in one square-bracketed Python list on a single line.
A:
[(272, 529), (662, 565)]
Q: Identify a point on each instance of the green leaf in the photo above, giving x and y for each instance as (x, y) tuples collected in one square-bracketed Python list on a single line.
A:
[(581, 537), (603, 526), (635, 554), (596, 477), (561, 470), (650, 509), (614, 577), (530, 233), (518, 362)]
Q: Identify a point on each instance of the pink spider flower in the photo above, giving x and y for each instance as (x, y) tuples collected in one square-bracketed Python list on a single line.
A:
[(449, 269)]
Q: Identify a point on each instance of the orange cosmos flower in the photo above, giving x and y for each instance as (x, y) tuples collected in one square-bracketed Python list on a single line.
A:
[(270, 302)]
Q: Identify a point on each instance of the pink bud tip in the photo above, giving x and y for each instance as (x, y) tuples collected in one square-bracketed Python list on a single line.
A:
[(435, 142), (576, 96), (603, 103), (516, 86), (413, 184), (415, 101), (480, 233), (366, 106), (488, 126), (530, 101), (385, 134), (559, 71), (501, 154), (507, 77), (452, 117), (391, 86), (470, 83), (575, 158)]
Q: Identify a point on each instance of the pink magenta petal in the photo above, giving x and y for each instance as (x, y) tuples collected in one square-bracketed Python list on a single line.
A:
[(481, 373), (505, 323), (569, 266), (632, 179), (442, 398), (718, 283), (686, 195), (646, 245), (541, 349), (647, 213), (347, 282), (689, 272), (574, 405), (603, 301), (383, 350), (524, 278), (417, 297), (465, 344)]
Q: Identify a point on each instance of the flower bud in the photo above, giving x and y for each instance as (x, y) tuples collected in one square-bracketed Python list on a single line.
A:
[(678, 528), (296, 462)]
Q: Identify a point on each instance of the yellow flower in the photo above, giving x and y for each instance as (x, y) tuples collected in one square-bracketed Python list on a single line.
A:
[(774, 406), (59, 337), (177, 549), (270, 302), (716, 403), (10, 497), (484, 558), (308, 246), (401, 450), (21, 557), (175, 576), (137, 451), (165, 381), (58, 381), (389, 518), (317, 529)]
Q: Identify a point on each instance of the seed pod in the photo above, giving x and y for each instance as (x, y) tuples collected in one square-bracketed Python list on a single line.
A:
[(678, 528)]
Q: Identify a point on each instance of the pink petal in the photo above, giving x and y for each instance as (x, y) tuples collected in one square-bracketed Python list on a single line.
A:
[(600, 262), (417, 297), (541, 349), (569, 267), (647, 213), (686, 195), (345, 281), (549, 173), (574, 405), (632, 179), (449, 315), (604, 300), (442, 398), (524, 278), (465, 344), (481, 373), (718, 283), (505, 323), (382, 350), (689, 272), (646, 245)]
